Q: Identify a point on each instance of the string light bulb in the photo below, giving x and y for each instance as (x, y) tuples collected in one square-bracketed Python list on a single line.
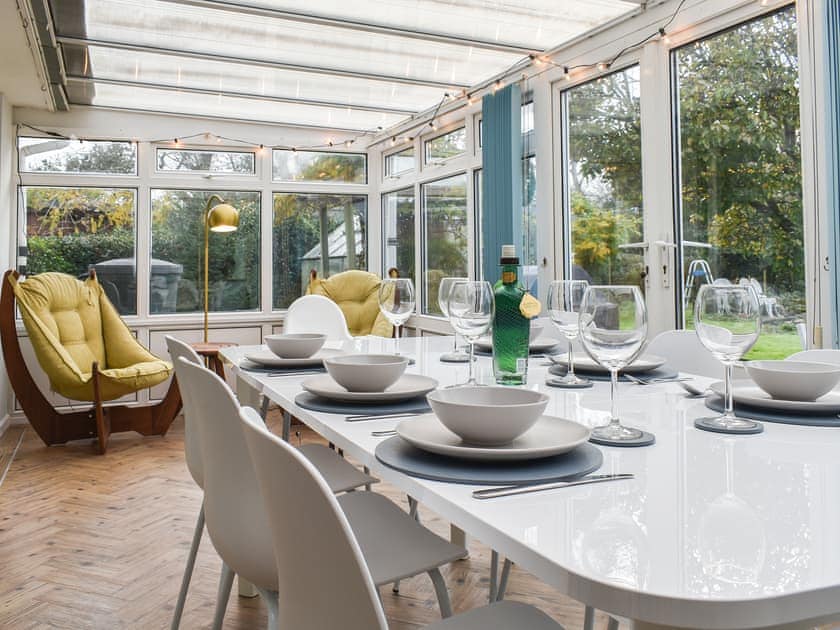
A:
[(566, 73), (393, 140), (603, 65), (664, 36), (347, 143), (497, 86)]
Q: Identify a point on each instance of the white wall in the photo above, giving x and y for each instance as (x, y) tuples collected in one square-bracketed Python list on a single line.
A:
[(7, 221)]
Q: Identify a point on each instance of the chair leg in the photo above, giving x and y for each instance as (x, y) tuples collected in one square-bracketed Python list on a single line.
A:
[(225, 584), (188, 570), (588, 618), (102, 429), (612, 624), (270, 599), (413, 506), (500, 593), (442, 593), (494, 575)]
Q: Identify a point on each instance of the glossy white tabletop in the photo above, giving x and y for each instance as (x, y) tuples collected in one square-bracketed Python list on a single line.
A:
[(715, 531)]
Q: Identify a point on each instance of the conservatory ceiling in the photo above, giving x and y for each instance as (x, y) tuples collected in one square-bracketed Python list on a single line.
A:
[(358, 64)]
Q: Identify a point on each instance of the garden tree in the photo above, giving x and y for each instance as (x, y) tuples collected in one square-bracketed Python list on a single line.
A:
[(209, 160), (446, 235), (739, 151)]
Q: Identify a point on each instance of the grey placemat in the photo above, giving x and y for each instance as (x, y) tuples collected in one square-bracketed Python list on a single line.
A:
[(705, 424), (400, 455), (556, 382), (250, 366), (316, 403), (645, 439), (782, 417), (660, 372), (533, 352)]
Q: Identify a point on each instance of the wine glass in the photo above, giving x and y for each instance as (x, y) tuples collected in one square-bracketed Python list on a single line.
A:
[(471, 308), (727, 320), (613, 328), (444, 289), (564, 298), (396, 301)]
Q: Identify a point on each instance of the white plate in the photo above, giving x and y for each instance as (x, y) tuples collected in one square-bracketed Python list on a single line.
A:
[(748, 393), (409, 386), (541, 344), (549, 436), (585, 363), (266, 357)]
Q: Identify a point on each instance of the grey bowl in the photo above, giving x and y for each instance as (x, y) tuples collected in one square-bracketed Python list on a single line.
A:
[(487, 416), (295, 345), (366, 372)]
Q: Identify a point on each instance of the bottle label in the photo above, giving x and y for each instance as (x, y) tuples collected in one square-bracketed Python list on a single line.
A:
[(529, 306), (508, 277), (521, 365)]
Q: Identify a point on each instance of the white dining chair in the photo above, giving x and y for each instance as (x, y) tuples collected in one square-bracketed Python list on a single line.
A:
[(308, 523), (685, 353), (341, 475), (394, 544), (317, 314), (818, 356)]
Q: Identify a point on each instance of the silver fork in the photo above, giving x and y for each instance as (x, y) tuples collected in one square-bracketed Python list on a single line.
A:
[(384, 433), (655, 381)]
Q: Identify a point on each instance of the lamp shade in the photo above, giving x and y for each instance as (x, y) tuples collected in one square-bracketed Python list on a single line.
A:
[(223, 218)]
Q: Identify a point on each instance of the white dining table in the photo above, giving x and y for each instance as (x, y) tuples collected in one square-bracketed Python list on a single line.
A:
[(715, 531)]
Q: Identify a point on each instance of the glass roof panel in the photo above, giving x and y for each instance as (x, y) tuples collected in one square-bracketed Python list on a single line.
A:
[(161, 69), (533, 24), (197, 29), (160, 100)]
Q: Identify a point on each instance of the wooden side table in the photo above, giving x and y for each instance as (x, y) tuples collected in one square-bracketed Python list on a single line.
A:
[(210, 352)]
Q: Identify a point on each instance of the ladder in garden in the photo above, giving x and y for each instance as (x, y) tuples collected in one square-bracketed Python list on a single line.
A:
[(698, 270)]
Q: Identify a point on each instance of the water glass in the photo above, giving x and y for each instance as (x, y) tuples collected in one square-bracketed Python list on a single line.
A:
[(396, 301), (444, 289), (727, 320), (613, 328), (563, 305), (471, 308)]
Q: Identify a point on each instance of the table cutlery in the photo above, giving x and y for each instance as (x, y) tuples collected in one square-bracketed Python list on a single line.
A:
[(386, 416), (656, 381), (691, 389), (295, 373), (505, 491), (385, 433)]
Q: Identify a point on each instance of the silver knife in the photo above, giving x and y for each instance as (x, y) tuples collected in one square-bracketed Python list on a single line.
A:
[(506, 491), (386, 416)]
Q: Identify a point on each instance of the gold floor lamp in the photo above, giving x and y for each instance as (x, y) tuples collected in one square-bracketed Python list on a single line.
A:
[(218, 217)]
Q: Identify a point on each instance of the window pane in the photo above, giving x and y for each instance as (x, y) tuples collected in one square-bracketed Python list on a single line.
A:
[(55, 155), (306, 225), (178, 253), (237, 162), (741, 171), (75, 229), (318, 166), (398, 229), (444, 235), (446, 146), (401, 162), (604, 177)]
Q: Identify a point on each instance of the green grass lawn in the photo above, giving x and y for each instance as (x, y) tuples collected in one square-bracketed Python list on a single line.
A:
[(774, 345)]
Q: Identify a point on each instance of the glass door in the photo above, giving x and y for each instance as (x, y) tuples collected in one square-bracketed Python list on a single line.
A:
[(739, 198)]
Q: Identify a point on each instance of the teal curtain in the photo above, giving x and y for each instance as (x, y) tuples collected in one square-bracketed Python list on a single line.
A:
[(501, 180), (831, 9)]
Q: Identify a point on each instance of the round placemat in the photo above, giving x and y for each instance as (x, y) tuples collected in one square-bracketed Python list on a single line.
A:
[(646, 439), (400, 455), (661, 372), (316, 403), (781, 417), (249, 366), (556, 382), (704, 424)]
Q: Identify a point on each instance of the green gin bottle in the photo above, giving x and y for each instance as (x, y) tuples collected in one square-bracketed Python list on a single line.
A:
[(511, 328)]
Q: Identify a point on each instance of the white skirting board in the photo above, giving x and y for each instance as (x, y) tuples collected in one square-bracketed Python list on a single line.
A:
[(5, 421)]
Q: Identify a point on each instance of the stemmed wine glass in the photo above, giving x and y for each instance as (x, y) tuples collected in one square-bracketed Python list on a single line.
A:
[(727, 320), (471, 308), (396, 301), (564, 298), (613, 328), (444, 289)]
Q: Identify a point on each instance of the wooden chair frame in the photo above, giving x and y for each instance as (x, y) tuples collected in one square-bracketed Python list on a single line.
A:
[(55, 427)]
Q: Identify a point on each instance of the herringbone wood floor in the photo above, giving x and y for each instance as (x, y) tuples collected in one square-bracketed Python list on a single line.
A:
[(100, 542)]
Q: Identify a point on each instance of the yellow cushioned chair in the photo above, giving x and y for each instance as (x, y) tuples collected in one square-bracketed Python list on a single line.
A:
[(357, 295), (88, 353)]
